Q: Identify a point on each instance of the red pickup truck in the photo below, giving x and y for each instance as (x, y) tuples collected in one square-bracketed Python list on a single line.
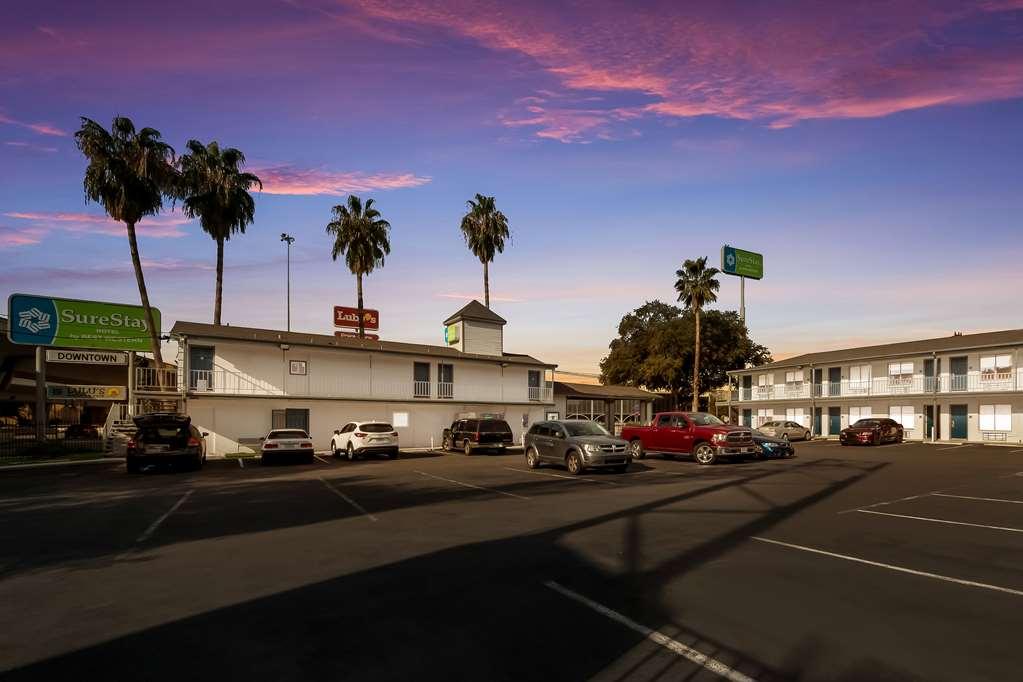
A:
[(699, 434)]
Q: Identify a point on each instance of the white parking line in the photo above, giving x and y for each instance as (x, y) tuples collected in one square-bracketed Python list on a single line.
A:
[(672, 645), (156, 524), (551, 473), (882, 504), (982, 499), (945, 521), (241, 464), (358, 507), (953, 447), (321, 459), (470, 485), (892, 567), (1013, 451)]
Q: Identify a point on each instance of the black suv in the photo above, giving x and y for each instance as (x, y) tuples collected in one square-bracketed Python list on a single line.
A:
[(165, 438), (475, 434)]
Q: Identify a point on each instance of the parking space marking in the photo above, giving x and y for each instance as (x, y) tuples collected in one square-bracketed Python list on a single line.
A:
[(358, 507), (551, 473), (882, 504), (892, 567), (981, 499), (470, 485), (953, 447), (672, 645), (156, 524), (241, 464), (945, 521), (321, 459)]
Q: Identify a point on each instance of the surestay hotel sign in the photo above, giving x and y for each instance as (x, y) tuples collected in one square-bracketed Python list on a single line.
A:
[(66, 322)]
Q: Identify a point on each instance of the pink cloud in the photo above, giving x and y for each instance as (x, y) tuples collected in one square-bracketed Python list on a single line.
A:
[(41, 127), (19, 236), (30, 146), (41, 223), (775, 64), (284, 179)]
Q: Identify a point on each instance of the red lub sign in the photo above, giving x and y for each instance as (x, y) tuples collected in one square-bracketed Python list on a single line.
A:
[(355, 335), (349, 317)]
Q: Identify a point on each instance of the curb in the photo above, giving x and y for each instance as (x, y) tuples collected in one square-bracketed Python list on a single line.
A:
[(59, 463)]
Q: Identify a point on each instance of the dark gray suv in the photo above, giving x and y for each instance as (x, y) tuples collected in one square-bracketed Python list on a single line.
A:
[(578, 444)]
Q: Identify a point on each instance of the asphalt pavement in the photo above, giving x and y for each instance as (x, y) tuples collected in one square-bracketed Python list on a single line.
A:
[(897, 562)]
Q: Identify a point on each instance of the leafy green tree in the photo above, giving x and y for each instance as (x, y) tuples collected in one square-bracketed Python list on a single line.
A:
[(361, 236), (696, 287), (655, 349), (129, 173), (215, 190), (485, 229)]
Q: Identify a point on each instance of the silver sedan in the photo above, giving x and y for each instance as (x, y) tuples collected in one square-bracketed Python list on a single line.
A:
[(786, 430)]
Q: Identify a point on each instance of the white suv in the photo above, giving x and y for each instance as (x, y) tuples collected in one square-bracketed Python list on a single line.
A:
[(356, 439)]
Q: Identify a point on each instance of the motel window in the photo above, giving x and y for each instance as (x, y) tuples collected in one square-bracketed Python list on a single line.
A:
[(904, 415), (859, 374), (200, 368), (764, 416), (798, 415), (290, 419), (445, 380), (995, 367), (421, 379), (763, 382), (995, 418), (794, 377), (900, 372), (858, 413)]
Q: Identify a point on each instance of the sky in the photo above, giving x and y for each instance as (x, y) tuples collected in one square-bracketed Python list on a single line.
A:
[(870, 150)]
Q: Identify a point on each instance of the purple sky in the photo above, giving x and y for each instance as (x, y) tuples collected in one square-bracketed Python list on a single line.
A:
[(871, 151)]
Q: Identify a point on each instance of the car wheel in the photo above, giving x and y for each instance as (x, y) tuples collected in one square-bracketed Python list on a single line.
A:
[(308, 459), (877, 439), (394, 454), (335, 453), (574, 463), (263, 460), (636, 449), (704, 454), (350, 452), (621, 469), (467, 447), (532, 458), (447, 444), (785, 436), (132, 466)]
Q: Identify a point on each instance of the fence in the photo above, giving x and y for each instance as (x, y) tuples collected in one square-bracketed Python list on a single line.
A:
[(19, 442)]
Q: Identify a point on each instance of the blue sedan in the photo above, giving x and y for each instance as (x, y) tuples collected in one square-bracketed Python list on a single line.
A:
[(772, 447)]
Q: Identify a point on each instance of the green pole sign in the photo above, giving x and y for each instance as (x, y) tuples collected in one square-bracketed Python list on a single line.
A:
[(742, 263), (65, 322)]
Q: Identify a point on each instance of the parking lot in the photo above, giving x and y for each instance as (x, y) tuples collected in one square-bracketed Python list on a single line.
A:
[(896, 562)]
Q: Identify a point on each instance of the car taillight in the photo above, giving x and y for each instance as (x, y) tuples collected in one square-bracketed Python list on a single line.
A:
[(132, 444), (269, 446), (360, 435), (476, 436), (193, 442), (395, 434), (307, 445)]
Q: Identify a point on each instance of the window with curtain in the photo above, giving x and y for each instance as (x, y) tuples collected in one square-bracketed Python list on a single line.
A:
[(904, 415), (996, 418), (858, 413), (900, 373), (995, 367)]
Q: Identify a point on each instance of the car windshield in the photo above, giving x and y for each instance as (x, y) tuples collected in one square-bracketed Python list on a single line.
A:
[(585, 428), (376, 428), (703, 419), (290, 433), (495, 426), (863, 423)]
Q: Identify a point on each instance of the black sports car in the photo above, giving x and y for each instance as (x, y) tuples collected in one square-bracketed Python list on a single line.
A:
[(772, 447)]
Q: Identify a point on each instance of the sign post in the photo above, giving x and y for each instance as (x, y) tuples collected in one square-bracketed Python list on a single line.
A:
[(742, 264), (40, 412)]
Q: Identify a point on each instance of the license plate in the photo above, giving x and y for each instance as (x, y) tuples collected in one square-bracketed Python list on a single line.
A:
[(289, 444), (153, 449), (377, 440)]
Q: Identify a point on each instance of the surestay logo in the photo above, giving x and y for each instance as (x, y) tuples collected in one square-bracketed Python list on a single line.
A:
[(34, 320)]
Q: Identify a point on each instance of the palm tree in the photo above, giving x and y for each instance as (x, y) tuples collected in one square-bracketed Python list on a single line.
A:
[(129, 173), (696, 287), (360, 234), (215, 190), (485, 229)]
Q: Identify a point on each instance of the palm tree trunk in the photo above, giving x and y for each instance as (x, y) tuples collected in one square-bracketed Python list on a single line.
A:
[(219, 296), (696, 366), (154, 333), (362, 323), (486, 284)]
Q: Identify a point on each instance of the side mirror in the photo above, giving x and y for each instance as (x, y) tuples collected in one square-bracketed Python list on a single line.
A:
[(337, 432), (205, 433), (559, 434)]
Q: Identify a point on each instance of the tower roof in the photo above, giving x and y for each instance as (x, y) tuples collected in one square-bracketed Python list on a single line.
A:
[(474, 310)]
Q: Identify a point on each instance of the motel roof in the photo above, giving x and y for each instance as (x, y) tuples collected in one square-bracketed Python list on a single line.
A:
[(601, 392), (232, 333), (958, 342)]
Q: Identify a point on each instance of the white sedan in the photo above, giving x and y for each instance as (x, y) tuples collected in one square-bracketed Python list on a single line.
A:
[(286, 443), (356, 439)]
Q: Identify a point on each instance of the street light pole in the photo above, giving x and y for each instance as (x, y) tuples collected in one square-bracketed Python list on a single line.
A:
[(285, 237)]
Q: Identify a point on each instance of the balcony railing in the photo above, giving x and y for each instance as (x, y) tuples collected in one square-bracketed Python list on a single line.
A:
[(227, 382), (445, 389), (156, 380), (896, 385)]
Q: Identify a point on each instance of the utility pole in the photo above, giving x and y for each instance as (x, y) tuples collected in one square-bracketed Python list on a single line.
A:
[(285, 237), (742, 298)]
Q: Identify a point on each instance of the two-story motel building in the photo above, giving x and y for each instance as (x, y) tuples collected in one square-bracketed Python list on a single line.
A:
[(959, 388), (237, 382)]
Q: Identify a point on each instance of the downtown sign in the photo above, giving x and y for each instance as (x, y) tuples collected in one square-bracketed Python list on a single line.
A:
[(66, 322)]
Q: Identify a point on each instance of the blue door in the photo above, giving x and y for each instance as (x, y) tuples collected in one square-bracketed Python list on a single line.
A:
[(834, 381), (747, 417), (960, 427), (834, 420), (817, 421)]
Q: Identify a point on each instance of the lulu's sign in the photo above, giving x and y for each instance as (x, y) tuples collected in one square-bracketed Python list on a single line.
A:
[(85, 392), (349, 317), (355, 335)]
